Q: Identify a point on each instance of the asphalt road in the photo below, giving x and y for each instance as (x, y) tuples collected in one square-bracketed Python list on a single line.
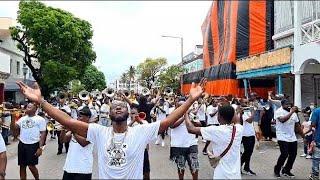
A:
[(263, 160)]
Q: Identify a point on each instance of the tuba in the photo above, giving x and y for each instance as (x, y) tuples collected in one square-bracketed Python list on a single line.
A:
[(145, 92), (63, 95), (96, 94), (109, 92), (168, 91), (126, 93), (84, 95)]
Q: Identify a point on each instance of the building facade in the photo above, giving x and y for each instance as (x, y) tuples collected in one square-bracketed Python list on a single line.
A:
[(293, 64), (12, 60)]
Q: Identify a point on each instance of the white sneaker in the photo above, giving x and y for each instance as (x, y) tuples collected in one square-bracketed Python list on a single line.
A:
[(203, 140), (157, 142), (303, 155), (162, 144), (308, 157)]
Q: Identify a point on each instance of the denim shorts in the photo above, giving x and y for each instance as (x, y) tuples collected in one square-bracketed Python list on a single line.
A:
[(183, 155)]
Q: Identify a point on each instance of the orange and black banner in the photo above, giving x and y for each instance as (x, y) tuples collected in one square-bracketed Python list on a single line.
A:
[(232, 30)]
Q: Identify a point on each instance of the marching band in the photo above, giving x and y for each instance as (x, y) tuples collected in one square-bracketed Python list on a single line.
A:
[(150, 106)]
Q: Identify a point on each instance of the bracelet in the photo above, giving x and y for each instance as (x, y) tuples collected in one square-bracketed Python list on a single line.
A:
[(42, 102)]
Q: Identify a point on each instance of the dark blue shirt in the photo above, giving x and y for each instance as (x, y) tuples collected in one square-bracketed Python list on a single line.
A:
[(315, 120)]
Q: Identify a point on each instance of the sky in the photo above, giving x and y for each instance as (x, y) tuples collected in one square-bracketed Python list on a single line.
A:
[(127, 32)]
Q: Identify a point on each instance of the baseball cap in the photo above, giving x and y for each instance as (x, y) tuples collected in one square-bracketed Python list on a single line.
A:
[(85, 111)]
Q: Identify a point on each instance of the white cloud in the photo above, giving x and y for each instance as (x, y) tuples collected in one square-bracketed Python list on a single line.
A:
[(125, 33)]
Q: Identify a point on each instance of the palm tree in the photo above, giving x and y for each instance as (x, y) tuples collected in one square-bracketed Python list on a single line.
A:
[(131, 74), (124, 77)]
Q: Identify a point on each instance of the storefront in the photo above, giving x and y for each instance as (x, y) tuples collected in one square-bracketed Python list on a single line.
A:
[(270, 70)]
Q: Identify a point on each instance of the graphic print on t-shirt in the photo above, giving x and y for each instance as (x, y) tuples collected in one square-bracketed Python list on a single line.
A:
[(29, 123), (116, 154)]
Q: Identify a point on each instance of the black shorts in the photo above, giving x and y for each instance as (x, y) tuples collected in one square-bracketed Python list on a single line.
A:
[(146, 162), (203, 123), (76, 176), (26, 154)]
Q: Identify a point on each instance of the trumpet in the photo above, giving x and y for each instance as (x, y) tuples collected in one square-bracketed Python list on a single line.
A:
[(84, 95), (50, 126)]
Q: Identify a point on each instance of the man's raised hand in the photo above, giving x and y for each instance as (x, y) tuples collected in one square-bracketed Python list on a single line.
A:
[(196, 91), (33, 94)]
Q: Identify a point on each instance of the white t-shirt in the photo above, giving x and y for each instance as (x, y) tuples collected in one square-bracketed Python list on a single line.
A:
[(2, 145), (79, 159), (166, 107), (123, 160), (105, 110), (285, 131), (160, 115), (7, 120), (220, 136), (214, 119), (74, 113), (181, 138), (30, 128), (202, 112), (306, 127), (248, 129)]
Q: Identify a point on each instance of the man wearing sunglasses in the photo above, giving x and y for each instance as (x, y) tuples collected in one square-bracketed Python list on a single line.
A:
[(79, 159), (120, 148)]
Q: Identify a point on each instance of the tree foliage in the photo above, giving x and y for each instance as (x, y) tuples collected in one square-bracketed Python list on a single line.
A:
[(76, 87), (170, 77), (150, 69), (124, 77), (60, 42), (93, 79)]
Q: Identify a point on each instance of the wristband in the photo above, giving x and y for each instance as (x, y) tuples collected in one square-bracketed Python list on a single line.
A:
[(42, 102)]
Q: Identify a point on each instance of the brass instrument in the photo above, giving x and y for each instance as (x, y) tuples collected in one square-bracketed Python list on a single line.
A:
[(109, 92), (96, 94), (84, 95), (50, 126), (63, 95), (145, 92), (168, 91), (127, 93)]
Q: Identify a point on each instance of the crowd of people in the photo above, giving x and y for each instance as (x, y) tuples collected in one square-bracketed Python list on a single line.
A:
[(121, 129)]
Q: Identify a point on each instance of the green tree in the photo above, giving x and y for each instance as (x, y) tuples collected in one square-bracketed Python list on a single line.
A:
[(131, 74), (76, 87), (124, 78), (171, 77), (150, 69), (54, 39), (93, 79)]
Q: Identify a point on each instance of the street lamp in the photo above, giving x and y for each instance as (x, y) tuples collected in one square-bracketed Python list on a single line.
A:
[(181, 43), (25, 71)]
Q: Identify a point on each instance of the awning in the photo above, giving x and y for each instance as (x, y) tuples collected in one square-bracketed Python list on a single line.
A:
[(275, 70), (11, 85)]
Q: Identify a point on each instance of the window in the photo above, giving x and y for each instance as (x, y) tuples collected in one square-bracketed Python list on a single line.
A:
[(10, 66), (18, 68)]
